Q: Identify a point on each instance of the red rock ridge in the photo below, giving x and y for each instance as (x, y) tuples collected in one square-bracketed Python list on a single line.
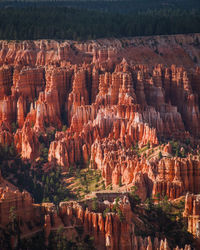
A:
[(108, 104), (109, 231)]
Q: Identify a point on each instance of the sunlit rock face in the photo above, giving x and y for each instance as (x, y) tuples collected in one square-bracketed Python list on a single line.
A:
[(109, 230), (112, 105), (107, 101), (192, 213), (19, 204)]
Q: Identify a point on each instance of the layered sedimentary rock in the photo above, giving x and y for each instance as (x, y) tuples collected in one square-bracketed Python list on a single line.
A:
[(192, 213), (19, 205), (110, 231), (111, 102), (170, 176), (110, 228), (5, 80)]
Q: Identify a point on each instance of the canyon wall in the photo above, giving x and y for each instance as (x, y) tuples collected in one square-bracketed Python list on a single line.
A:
[(110, 230), (18, 207), (106, 107), (128, 107), (192, 213), (112, 223)]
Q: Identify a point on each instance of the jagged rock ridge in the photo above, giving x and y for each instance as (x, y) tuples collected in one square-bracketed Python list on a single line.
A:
[(114, 103)]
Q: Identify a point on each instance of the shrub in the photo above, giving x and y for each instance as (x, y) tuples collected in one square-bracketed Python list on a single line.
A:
[(94, 205), (107, 210), (14, 127), (160, 156), (120, 214), (64, 128), (120, 181)]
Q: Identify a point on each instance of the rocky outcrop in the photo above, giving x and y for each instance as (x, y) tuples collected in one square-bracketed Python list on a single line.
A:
[(110, 230), (5, 81), (115, 106), (170, 176), (177, 49), (27, 82), (19, 205), (192, 214), (109, 107)]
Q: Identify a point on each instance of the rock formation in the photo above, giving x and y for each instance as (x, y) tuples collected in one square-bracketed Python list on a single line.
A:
[(192, 213), (110, 231), (129, 108), (107, 110), (14, 204)]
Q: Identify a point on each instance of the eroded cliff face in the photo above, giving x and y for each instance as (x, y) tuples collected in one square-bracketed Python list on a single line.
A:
[(192, 213), (113, 105), (108, 218), (111, 108), (18, 207), (110, 230), (168, 176)]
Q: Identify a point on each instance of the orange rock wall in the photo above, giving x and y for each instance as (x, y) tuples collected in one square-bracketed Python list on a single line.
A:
[(109, 103), (192, 214), (23, 208), (109, 231)]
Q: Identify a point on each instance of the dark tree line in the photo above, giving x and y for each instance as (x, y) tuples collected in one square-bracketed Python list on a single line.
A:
[(119, 6), (80, 23)]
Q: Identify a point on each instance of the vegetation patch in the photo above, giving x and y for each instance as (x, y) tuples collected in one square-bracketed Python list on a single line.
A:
[(84, 181)]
